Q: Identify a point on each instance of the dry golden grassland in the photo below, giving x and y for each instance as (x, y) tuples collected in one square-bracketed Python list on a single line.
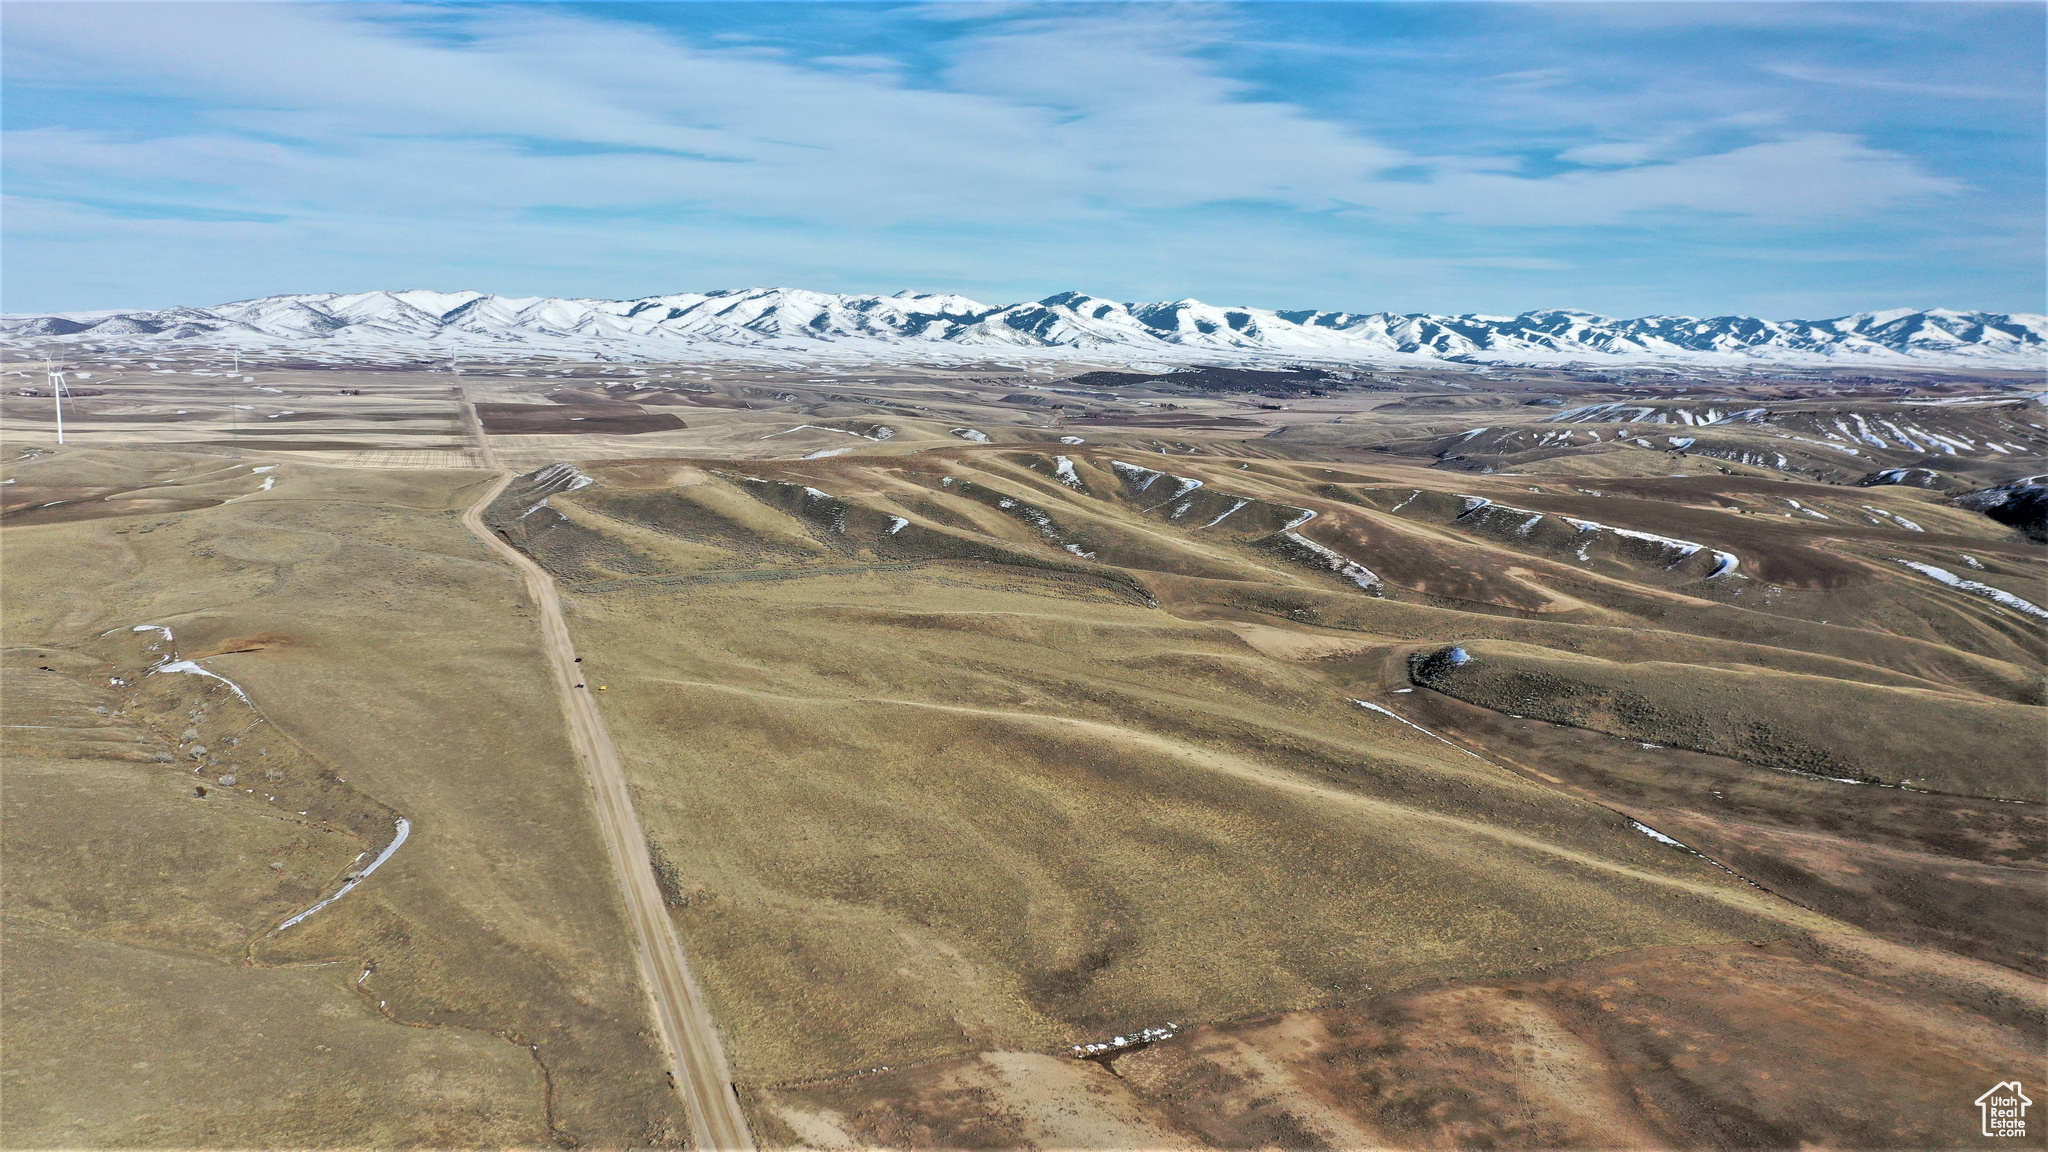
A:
[(1014, 824), (950, 787), (391, 670), (972, 714)]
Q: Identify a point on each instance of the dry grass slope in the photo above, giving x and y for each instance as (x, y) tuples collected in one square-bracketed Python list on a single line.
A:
[(476, 991), (973, 713)]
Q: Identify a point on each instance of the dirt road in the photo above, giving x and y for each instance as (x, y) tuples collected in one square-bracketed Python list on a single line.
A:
[(474, 425), (699, 1059)]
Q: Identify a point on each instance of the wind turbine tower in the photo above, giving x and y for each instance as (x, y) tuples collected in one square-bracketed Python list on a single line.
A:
[(56, 394)]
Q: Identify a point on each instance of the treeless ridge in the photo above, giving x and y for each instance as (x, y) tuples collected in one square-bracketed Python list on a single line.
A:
[(700, 1066)]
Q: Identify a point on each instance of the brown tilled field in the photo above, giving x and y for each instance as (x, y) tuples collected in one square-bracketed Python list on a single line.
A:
[(1352, 778)]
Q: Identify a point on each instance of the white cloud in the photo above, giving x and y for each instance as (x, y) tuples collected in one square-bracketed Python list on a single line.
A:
[(1061, 117), (1123, 148), (1801, 176)]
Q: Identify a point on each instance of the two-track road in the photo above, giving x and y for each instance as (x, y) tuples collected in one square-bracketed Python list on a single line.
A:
[(699, 1059)]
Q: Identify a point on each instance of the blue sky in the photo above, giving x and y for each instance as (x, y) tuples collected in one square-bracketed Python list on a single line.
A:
[(1630, 158)]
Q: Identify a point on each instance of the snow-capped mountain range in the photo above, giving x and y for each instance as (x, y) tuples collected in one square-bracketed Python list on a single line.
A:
[(1071, 325)]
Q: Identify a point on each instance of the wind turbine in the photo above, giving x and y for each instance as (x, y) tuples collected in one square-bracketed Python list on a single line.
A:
[(57, 394)]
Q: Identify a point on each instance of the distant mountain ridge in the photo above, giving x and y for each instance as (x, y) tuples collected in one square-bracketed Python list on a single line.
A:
[(1067, 324)]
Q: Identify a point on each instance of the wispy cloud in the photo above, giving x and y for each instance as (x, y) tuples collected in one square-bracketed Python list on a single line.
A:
[(1041, 137), (1882, 81)]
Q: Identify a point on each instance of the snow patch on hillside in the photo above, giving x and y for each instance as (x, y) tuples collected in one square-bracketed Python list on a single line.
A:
[(1068, 325), (1998, 595)]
